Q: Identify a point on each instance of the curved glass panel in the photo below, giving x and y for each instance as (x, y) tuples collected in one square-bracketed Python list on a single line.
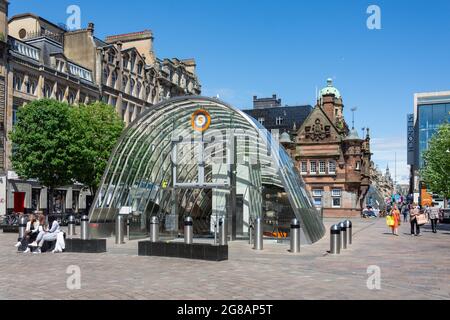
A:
[(164, 165)]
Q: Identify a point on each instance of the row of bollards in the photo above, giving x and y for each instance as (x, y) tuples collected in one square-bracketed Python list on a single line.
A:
[(84, 230), (256, 237), (340, 236)]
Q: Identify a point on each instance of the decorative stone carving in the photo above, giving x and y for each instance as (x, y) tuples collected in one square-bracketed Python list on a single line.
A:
[(317, 132)]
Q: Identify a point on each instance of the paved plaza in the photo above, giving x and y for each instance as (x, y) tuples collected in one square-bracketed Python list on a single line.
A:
[(411, 268)]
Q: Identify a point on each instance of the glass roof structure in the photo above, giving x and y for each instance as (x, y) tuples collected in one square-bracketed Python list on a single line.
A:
[(194, 156)]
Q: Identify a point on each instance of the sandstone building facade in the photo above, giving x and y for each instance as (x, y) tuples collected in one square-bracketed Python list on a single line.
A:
[(333, 161), (39, 59)]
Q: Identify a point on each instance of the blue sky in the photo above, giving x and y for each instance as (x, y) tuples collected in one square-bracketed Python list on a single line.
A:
[(260, 47)]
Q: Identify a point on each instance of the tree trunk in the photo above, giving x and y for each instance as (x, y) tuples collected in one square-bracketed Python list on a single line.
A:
[(50, 201)]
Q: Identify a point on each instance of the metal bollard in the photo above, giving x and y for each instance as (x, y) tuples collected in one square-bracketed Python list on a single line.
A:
[(295, 236), (251, 229), (71, 226), (223, 237), (188, 230), (154, 229), (343, 235), (22, 227), (84, 227), (335, 239), (348, 224), (120, 226), (258, 234)]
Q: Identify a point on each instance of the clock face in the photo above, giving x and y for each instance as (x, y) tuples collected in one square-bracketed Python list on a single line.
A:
[(201, 120)]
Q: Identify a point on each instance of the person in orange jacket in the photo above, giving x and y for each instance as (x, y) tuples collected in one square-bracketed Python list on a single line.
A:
[(395, 213)]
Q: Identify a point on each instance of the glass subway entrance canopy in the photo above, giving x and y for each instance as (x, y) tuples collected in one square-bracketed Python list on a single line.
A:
[(199, 157)]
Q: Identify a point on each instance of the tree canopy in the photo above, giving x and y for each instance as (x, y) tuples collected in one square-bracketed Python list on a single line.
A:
[(59, 145), (436, 171), (40, 139), (95, 131)]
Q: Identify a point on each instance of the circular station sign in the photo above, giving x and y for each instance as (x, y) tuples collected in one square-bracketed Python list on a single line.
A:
[(201, 120)]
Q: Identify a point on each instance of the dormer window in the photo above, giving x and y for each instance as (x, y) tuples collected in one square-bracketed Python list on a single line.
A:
[(126, 60), (133, 62), (111, 57)]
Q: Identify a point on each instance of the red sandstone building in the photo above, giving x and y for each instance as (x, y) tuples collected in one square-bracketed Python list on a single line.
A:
[(332, 159)]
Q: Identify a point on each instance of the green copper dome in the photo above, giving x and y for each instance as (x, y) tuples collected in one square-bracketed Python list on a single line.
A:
[(329, 89)]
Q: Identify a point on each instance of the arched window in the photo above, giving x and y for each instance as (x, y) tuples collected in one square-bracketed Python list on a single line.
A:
[(60, 95), (114, 79), (125, 61), (132, 83), (105, 75), (47, 91), (17, 82), (111, 56), (138, 92), (133, 62), (71, 98), (140, 67), (124, 83)]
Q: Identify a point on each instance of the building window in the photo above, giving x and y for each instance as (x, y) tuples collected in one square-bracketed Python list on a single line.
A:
[(111, 57), (322, 167), (14, 115), (105, 99), (31, 87), (132, 83), (125, 62), (138, 90), (336, 195), (313, 167), (261, 120), (140, 67), (106, 75), (47, 91), (358, 165), (17, 82), (133, 62), (304, 167), (279, 121), (60, 95), (113, 101), (332, 167), (317, 197), (71, 98), (114, 79), (124, 83)]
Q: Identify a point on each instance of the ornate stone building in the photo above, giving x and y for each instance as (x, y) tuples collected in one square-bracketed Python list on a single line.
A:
[(334, 162), (39, 59)]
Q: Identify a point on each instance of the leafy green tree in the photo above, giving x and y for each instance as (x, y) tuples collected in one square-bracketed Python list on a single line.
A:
[(40, 140), (95, 131), (436, 173)]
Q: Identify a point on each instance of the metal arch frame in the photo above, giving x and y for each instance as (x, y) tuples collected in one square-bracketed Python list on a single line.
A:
[(279, 156)]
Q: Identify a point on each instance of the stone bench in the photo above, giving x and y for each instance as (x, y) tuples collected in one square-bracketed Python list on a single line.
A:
[(86, 246), (198, 251)]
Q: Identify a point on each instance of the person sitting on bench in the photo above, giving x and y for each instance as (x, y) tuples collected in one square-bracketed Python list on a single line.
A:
[(31, 233), (50, 235)]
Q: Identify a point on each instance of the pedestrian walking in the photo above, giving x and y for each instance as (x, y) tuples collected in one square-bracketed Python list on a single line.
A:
[(433, 215), (395, 213), (414, 213), (405, 212)]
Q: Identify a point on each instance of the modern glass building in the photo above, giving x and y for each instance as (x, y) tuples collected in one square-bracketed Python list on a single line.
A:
[(430, 111), (199, 157)]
